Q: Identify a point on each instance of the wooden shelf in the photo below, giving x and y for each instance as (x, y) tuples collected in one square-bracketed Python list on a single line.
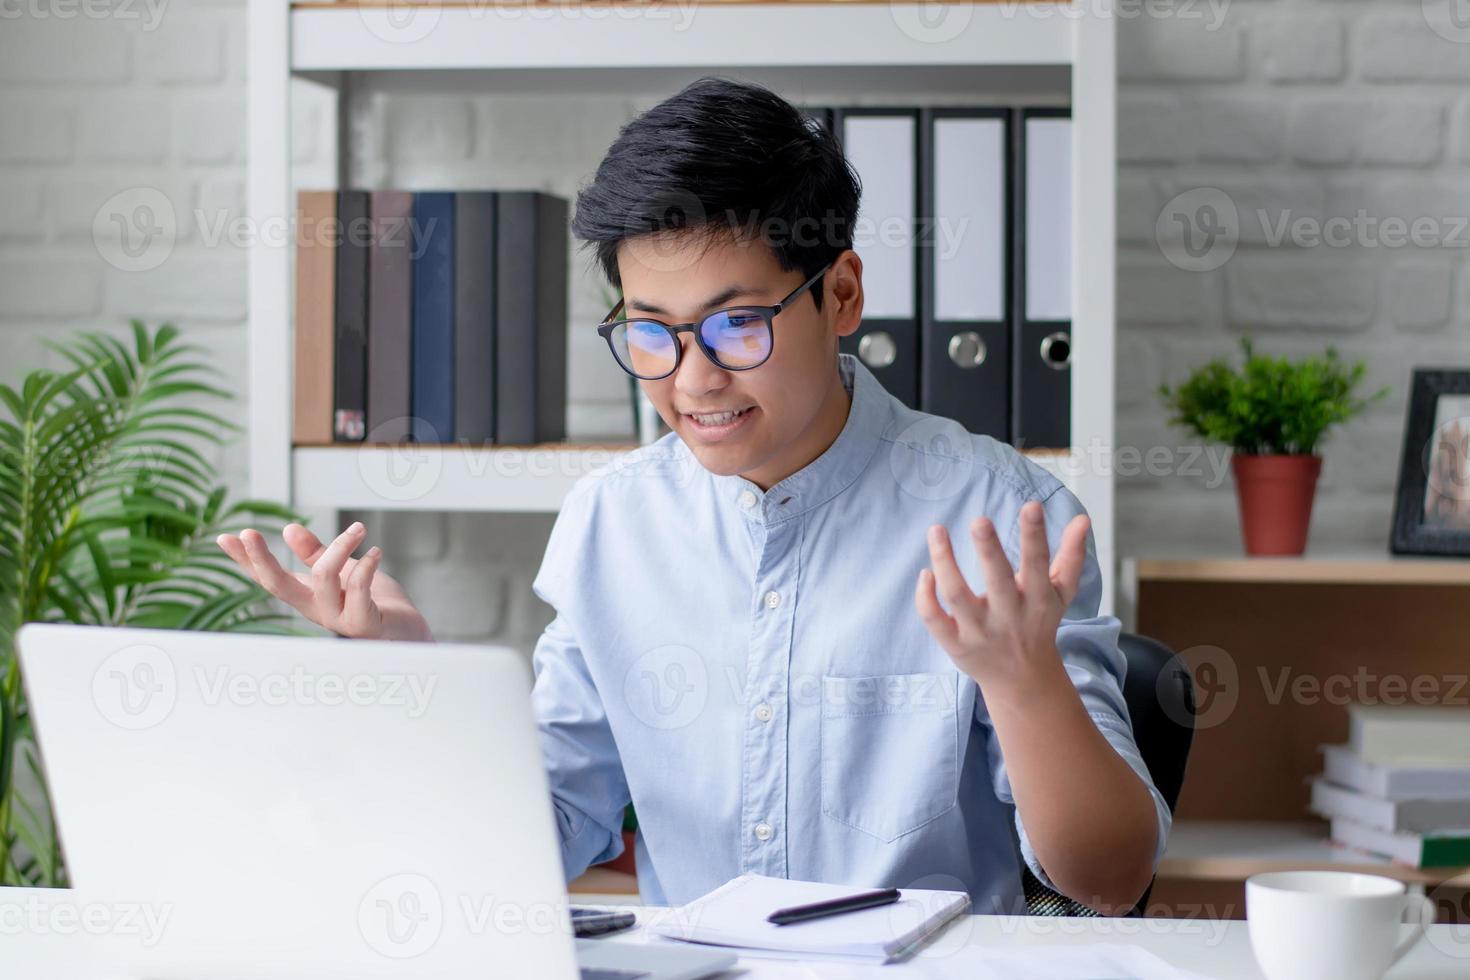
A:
[(353, 37), (1310, 570), (504, 479), (486, 479), (1233, 850), (603, 881)]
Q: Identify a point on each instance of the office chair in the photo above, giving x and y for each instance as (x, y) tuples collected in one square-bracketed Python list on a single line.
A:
[(1160, 696)]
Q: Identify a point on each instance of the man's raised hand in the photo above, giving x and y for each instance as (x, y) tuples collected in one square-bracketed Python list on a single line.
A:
[(346, 595), (1006, 638)]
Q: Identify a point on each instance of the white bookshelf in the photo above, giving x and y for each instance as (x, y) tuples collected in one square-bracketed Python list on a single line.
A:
[(511, 479), (344, 36), (1036, 50), (1233, 850)]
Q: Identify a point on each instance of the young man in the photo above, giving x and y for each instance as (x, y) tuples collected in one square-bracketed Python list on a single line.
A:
[(764, 637)]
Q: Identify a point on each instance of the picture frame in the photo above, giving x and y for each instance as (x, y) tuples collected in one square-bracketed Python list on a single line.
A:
[(1432, 504)]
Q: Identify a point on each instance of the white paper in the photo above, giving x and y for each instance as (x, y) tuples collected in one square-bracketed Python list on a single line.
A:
[(1096, 961), (1048, 219), (969, 209), (735, 915), (880, 149), (1091, 961)]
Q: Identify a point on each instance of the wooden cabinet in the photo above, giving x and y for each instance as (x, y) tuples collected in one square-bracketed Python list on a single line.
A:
[(1278, 648)]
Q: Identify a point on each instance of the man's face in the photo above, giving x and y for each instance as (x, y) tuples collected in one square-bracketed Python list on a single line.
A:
[(782, 403)]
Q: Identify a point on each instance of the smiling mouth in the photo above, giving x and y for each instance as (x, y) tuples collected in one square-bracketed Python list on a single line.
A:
[(715, 419)]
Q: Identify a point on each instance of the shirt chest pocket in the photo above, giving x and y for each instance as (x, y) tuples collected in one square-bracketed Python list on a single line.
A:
[(889, 750)]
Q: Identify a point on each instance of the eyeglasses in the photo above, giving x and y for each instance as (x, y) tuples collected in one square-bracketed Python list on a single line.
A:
[(737, 338)]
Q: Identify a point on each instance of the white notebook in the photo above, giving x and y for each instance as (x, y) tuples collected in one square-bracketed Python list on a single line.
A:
[(735, 915)]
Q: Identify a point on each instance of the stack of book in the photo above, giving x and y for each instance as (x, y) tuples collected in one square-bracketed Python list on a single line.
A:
[(1400, 788), (436, 317)]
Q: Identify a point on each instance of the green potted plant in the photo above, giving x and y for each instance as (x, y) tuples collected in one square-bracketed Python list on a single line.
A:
[(109, 507), (1273, 413)]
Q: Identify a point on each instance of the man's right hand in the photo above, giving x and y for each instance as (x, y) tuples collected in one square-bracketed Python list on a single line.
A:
[(342, 593)]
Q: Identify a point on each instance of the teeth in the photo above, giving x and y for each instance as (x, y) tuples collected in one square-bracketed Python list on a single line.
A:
[(720, 418)]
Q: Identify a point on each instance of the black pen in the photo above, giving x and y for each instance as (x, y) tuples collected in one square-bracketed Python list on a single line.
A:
[(833, 906)]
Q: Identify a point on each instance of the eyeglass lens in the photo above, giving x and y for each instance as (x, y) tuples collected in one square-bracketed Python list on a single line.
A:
[(737, 339)]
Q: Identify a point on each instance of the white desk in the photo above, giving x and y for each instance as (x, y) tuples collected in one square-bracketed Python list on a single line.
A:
[(1217, 948)]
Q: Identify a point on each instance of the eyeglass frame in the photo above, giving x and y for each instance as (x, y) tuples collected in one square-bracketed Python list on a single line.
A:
[(605, 328)]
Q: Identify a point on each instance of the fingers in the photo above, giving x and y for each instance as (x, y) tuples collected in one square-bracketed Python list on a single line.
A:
[(269, 573), (359, 613), (1000, 577), (326, 571), (1035, 552), (234, 547), (230, 545), (1066, 570), (951, 581), (303, 544), (940, 624), (322, 595)]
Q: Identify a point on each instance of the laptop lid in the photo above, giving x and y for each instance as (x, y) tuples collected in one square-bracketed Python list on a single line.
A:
[(311, 807)]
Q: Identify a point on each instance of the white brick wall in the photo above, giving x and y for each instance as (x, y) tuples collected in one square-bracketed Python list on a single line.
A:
[(1301, 47), (1297, 109), (1190, 47), (1336, 131)]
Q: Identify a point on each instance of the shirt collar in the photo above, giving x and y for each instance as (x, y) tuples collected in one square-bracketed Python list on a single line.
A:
[(831, 472)]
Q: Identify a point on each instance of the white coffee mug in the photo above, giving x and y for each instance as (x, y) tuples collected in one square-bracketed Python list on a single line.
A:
[(1330, 925)]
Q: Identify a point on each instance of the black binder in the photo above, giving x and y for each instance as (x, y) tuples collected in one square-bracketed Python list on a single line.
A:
[(882, 144), (474, 317), (349, 371), (530, 318), (965, 267), (1041, 379), (433, 317)]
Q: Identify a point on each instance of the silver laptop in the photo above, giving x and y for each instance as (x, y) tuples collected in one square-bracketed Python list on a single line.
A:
[(316, 807)]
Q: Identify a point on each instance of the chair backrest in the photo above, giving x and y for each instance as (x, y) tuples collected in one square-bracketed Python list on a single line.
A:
[(1160, 697), (1159, 693)]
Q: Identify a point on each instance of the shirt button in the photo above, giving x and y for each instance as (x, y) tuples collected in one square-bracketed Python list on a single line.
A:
[(773, 599), (764, 712), (763, 831), (747, 499)]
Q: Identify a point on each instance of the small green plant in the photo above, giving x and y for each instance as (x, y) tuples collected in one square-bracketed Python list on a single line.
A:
[(1271, 405), (109, 509)]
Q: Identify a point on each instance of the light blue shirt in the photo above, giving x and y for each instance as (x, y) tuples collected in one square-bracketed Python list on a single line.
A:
[(749, 670)]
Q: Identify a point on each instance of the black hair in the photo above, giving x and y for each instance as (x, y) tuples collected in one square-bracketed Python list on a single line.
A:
[(723, 159)]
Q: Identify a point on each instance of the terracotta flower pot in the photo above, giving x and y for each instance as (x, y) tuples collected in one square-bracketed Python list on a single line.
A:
[(1275, 494)]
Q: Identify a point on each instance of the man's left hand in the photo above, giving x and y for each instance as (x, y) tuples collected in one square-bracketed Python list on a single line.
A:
[(1006, 638)]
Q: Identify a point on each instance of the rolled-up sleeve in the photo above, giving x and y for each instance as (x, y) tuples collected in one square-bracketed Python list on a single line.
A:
[(588, 787), (1088, 644)]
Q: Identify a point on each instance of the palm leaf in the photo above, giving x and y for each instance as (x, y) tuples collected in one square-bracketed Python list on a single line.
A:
[(108, 513)]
